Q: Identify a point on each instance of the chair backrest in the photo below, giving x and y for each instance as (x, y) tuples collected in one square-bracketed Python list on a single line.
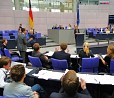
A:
[(35, 61), (112, 66), (7, 53), (59, 64), (90, 65), (2, 54)]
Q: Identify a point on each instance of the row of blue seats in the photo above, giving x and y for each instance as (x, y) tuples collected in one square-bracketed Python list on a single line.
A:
[(8, 31), (88, 64), (14, 36)]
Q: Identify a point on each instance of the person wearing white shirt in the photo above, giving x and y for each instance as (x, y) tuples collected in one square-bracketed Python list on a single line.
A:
[(5, 63)]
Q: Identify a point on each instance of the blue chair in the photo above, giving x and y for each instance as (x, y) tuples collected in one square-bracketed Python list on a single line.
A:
[(59, 64), (35, 61), (13, 58), (2, 54), (37, 35), (90, 65), (7, 37), (112, 66)]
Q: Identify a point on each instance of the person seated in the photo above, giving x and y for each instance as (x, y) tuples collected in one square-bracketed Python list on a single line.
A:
[(5, 64), (18, 88), (107, 30), (70, 84), (44, 59), (69, 26), (4, 46), (55, 26), (104, 64), (86, 52), (112, 29), (60, 27), (62, 54)]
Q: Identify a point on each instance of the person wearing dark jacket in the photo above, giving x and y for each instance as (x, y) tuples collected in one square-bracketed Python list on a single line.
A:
[(70, 84), (86, 52), (4, 46), (22, 43), (62, 54), (36, 53)]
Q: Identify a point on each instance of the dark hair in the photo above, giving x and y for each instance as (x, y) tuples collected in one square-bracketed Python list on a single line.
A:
[(63, 46), (70, 83), (3, 40), (23, 29), (36, 46), (17, 72), (4, 61)]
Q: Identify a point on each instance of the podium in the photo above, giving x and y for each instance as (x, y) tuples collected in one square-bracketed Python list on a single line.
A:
[(79, 38), (62, 35)]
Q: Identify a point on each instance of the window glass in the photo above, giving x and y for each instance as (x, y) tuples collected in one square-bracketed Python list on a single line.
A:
[(46, 5)]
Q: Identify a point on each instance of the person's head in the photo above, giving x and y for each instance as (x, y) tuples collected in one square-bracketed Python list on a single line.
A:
[(23, 30), (86, 47), (4, 41), (70, 83), (20, 25), (5, 62), (31, 31), (36, 46), (110, 50), (75, 27), (69, 25), (63, 46), (18, 73)]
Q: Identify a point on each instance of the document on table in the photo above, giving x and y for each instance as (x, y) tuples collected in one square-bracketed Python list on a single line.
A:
[(46, 74), (50, 53), (74, 56), (107, 79), (15, 63), (88, 78), (27, 70), (29, 50)]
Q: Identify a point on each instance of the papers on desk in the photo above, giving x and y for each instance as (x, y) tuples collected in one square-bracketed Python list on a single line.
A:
[(97, 79), (74, 56), (29, 50), (106, 79), (45, 74), (89, 78), (15, 63), (27, 70), (101, 55), (50, 53)]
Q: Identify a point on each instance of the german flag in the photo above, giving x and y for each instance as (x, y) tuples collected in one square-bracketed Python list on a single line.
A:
[(31, 22)]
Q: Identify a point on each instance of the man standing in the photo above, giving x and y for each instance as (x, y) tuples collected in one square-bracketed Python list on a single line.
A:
[(22, 43)]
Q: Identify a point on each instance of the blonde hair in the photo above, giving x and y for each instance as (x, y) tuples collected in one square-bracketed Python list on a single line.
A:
[(111, 47), (86, 48)]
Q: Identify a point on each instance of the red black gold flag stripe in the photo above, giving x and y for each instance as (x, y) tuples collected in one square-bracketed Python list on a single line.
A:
[(31, 22)]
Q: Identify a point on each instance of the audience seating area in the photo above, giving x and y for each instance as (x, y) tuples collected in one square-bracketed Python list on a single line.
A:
[(11, 36), (99, 33)]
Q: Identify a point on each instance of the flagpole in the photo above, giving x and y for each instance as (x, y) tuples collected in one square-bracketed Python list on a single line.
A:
[(78, 14)]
